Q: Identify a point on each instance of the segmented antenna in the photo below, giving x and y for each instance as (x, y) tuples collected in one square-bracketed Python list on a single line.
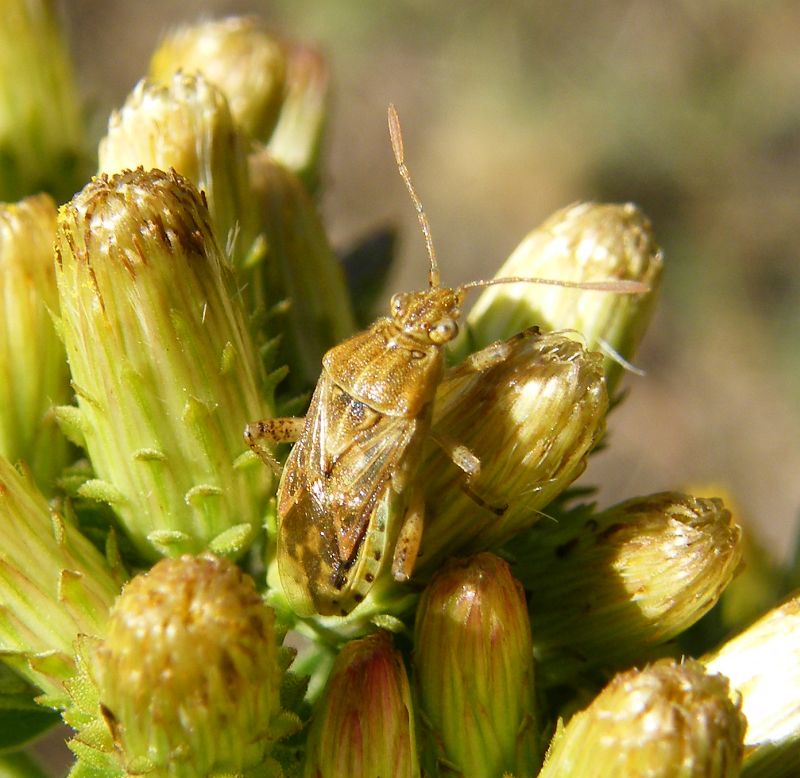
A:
[(620, 286), (397, 146)]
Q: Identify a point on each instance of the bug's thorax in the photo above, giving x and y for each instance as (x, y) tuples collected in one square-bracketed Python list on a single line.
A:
[(396, 364)]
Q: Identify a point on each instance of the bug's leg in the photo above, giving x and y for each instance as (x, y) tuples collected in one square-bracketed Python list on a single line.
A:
[(467, 462), (488, 357), (286, 430), (407, 547)]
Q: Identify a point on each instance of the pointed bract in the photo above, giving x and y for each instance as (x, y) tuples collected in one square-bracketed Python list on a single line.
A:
[(54, 585)]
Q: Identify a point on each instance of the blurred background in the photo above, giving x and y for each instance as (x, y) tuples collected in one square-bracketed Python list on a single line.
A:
[(512, 110)]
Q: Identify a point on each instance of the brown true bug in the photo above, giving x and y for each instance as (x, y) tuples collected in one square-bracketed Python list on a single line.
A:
[(349, 502)]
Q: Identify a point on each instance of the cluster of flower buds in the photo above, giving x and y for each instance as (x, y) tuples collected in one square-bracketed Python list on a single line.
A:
[(156, 313)]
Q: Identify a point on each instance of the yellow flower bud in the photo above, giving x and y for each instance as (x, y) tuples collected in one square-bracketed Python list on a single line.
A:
[(188, 676), (611, 586), (666, 721), (277, 91), (186, 125), (41, 129), (530, 409), (298, 266), (33, 366), (239, 57), (583, 242)]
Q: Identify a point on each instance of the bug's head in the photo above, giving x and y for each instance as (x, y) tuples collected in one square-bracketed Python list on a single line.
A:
[(430, 316)]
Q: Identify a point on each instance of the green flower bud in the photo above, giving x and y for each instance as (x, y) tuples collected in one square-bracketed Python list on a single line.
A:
[(530, 409), (164, 369), (364, 724), (188, 676), (33, 365), (40, 123), (667, 721), (474, 671), (186, 125), (609, 587), (297, 138), (54, 585), (763, 665), (236, 55), (584, 242), (298, 266)]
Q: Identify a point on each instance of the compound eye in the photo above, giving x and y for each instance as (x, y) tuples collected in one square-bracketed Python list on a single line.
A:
[(443, 331), (398, 304)]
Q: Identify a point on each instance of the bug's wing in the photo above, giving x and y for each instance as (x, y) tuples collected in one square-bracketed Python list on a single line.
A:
[(336, 479)]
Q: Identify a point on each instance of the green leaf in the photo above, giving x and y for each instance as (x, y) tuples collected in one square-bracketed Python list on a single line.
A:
[(19, 766), (21, 719), (18, 727)]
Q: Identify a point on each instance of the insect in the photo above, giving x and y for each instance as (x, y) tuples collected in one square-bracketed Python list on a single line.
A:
[(349, 500)]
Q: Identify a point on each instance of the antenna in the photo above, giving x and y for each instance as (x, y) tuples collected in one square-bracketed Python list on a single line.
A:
[(397, 146), (621, 286)]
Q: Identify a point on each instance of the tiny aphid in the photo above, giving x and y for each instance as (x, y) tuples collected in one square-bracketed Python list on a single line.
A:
[(350, 504)]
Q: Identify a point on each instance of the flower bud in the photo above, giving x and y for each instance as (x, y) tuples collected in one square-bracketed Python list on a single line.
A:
[(474, 670), (186, 125), (239, 57), (278, 92), (364, 724), (33, 365), (584, 242), (758, 583), (40, 122), (667, 721), (530, 409), (188, 676), (298, 265), (162, 363), (763, 665), (54, 585), (297, 138), (608, 587)]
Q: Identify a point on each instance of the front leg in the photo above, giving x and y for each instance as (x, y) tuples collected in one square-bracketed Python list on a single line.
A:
[(285, 430), (470, 465)]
